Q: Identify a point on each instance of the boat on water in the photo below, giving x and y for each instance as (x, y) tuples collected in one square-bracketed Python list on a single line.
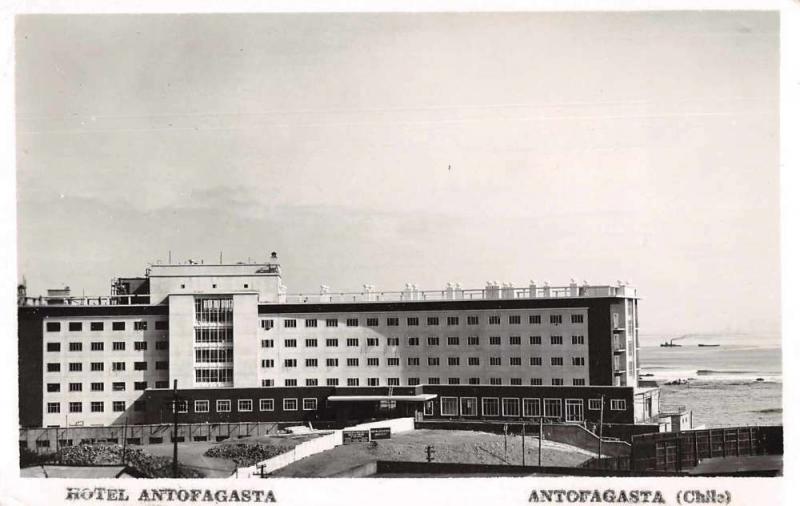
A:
[(669, 344), (708, 345)]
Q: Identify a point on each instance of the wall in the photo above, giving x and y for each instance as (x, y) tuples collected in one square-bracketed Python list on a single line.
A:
[(245, 340), (181, 337), (212, 279)]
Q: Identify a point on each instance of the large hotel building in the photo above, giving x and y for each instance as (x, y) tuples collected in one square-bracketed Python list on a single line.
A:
[(241, 349)]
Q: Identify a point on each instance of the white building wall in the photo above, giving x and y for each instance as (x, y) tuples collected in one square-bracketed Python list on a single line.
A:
[(213, 279), (181, 336), (245, 340)]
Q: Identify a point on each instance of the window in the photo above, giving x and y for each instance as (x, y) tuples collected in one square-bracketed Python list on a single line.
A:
[(556, 340), (162, 383), (140, 345), (331, 322), (535, 339), (54, 407), (53, 367), (201, 406), (490, 406), (352, 322), (595, 404), (311, 343), (576, 318), (118, 386), (578, 361), (309, 404), (352, 382), (76, 407), (536, 360), (267, 382), (452, 341), (413, 341), (552, 408), (311, 362), (515, 340), (223, 405), (510, 407), (452, 320), (555, 319), (472, 320), (352, 362), (474, 381), (372, 322), (140, 385), (514, 319), (245, 405), (536, 381), (332, 362), (53, 346), (76, 387), (433, 320), (433, 341), (117, 326), (577, 339), (75, 346), (97, 346), (75, 367), (267, 343), (138, 405), (515, 361), (53, 326), (535, 319), (531, 407), (578, 382), (449, 406), (266, 404), (332, 382), (453, 381), (331, 343), (54, 387), (290, 362), (97, 366), (352, 341), (474, 361), (413, 360), (617, 404), (117, 366), (494, 320), (289, 324), (75, 326), (495, 381), (452, 361), (267, 363), (311, 323), (433, 381), (290, 404), (97, 387), (392, 341), (413, 381), (162, 365), (290, 343), (97, 406), (412, 321), (373, 361), (162, 324), (494, 340), (162, 345), (494, 360), (267, 324), (557, 382), (474, 341), (312, 382), (433, 360), (140, 325), (392, 322), (118, 346), (556, 360), (515, 381), (96, 326)]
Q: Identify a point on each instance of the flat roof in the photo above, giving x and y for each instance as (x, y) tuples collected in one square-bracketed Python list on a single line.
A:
[(377, 398)]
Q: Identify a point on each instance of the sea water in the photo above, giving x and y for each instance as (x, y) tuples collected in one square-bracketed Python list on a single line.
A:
[(728, 386)]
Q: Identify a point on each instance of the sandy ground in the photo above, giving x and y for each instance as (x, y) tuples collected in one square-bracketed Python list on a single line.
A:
[(450, 446)]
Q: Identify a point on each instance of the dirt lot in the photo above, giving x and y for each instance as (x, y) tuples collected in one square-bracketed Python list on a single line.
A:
[(449, 445)]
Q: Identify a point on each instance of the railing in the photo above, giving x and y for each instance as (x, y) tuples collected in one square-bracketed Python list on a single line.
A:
[(102, 300)]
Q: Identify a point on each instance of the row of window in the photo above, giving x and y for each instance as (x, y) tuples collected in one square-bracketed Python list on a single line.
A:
[(100, 326), (510, 407), (100, 366), (116, 386), (94, 407), (374, 382), (415, 361), (100, 346), (333, 342), (246, 405), (414, 321)]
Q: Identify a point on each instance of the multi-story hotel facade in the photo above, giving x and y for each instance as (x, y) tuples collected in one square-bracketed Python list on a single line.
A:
[(240, 348)]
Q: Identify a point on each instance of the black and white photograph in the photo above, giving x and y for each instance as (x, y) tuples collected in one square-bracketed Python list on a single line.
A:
[(396, 247)]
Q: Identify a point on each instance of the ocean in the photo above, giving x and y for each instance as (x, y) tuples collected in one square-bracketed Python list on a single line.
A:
[(722, 390)]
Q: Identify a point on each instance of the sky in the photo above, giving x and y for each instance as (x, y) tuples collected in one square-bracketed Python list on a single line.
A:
[(425, 148)]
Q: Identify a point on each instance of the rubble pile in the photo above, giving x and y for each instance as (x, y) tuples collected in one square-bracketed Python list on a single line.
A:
[(244, 454), (109, 454)]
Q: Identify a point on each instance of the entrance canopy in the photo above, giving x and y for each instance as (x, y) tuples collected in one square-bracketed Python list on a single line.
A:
[(379, 398)]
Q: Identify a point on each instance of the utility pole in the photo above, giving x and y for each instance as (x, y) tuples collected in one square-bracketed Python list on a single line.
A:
[(541, 440), (600, 438), (429, 451), (124, 439), (505, 441), (523, 442), (175, 429)]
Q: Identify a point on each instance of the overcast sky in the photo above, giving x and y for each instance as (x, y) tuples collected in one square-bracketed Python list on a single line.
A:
[(424, 148)]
